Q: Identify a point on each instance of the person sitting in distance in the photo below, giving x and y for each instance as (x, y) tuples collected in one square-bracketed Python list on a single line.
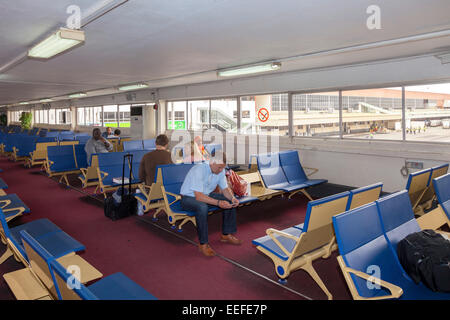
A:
[(152, 159), (97, 144), (107, 133)]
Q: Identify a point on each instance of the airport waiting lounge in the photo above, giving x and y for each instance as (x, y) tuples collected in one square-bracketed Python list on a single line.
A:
[(225, 151)]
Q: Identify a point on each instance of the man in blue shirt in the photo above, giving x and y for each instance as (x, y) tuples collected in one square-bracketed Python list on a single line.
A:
[(197, 196)]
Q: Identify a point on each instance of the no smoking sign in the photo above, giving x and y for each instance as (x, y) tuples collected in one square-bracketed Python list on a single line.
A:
[(263, 114)]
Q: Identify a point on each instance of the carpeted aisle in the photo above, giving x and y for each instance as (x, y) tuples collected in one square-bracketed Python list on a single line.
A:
[(167, 266)]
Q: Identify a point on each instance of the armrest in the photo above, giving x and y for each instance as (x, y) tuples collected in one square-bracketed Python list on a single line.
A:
[(270, 232), (395, 291), (311, 173), (176, 196), (6, 201)]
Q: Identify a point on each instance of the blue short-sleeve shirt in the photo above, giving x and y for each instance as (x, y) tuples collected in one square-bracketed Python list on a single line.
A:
[(201, 179)]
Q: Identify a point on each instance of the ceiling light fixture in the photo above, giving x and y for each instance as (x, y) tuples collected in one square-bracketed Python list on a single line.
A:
[(60, 41), (445, 57), (133, 87), (23, 103), (46, 100), (78, 95), (249, 70)]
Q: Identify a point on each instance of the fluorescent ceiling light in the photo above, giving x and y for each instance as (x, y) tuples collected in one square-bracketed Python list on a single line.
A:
[(58, 42), (23, 103), (78, 95), (133, 87), (45, 100), (249, 70), (445, 57)]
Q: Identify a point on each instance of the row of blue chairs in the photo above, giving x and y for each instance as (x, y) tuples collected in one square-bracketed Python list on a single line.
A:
[(367, 238), (110, 166), (45, 249), (136, 145), (283, 171)]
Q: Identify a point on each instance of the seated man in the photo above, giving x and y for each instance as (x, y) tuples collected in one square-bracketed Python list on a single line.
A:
[(197, 196), (97, 144), (154, 158), (107, 133)]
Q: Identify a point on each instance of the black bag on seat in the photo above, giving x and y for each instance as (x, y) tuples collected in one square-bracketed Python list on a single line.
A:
[(425, 256), (128, 203)]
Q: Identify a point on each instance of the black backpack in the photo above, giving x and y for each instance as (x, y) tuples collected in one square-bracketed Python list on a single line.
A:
[(425, 256), (128, 203)]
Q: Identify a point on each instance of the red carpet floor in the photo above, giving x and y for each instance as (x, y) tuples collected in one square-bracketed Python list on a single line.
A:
[(160, 259)]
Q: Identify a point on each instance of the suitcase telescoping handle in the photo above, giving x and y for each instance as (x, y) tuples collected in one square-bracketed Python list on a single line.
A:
[(128, 157)]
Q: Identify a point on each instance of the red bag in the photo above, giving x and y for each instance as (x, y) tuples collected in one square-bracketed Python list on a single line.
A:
[(237, 184)]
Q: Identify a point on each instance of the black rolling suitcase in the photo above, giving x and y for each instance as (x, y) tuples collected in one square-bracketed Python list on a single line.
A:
[(128, 203)]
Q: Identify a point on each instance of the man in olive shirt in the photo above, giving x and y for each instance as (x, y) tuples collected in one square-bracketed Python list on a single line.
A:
[(160, 156)]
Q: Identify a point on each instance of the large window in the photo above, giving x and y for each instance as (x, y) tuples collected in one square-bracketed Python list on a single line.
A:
[(93, 116), (316, 114), (372, 114), (176, 115), (124, 116), (89, 116), (63, 116), (265, 114), (110, 116), (198, 114), (224, 114), (51, 116), (428, 113)]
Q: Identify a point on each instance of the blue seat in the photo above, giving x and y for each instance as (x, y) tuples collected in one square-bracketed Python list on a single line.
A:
[(12, 205), (275, 168), (80, 156), (149, 144), (52, 134), (298, 246), (371, 246), (61, 158), (46, 139), (137, 157), (294, 171), (114, 287), (442, 189), (82, 139), (111, 166), (53, 238), (133, 145), (364, 195)]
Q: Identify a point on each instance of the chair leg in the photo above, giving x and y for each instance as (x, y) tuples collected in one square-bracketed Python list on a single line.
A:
[(310, 270), (158, 211), (8, 253)]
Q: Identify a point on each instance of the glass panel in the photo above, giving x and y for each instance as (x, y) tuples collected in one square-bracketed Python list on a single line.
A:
[(428, 112), (93, 116), (224, 114), (316, 114), (198, 113), (51, 116), (110, 116), (45, 116), (176, 115), (267, 114), (80, 117), (372, 114), (124, 116)]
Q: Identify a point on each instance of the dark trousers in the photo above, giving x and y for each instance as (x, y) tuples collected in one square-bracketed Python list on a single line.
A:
[(201, 215)]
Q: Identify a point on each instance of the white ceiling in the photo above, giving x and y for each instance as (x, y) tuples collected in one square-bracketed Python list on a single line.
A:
[(172, 42)]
